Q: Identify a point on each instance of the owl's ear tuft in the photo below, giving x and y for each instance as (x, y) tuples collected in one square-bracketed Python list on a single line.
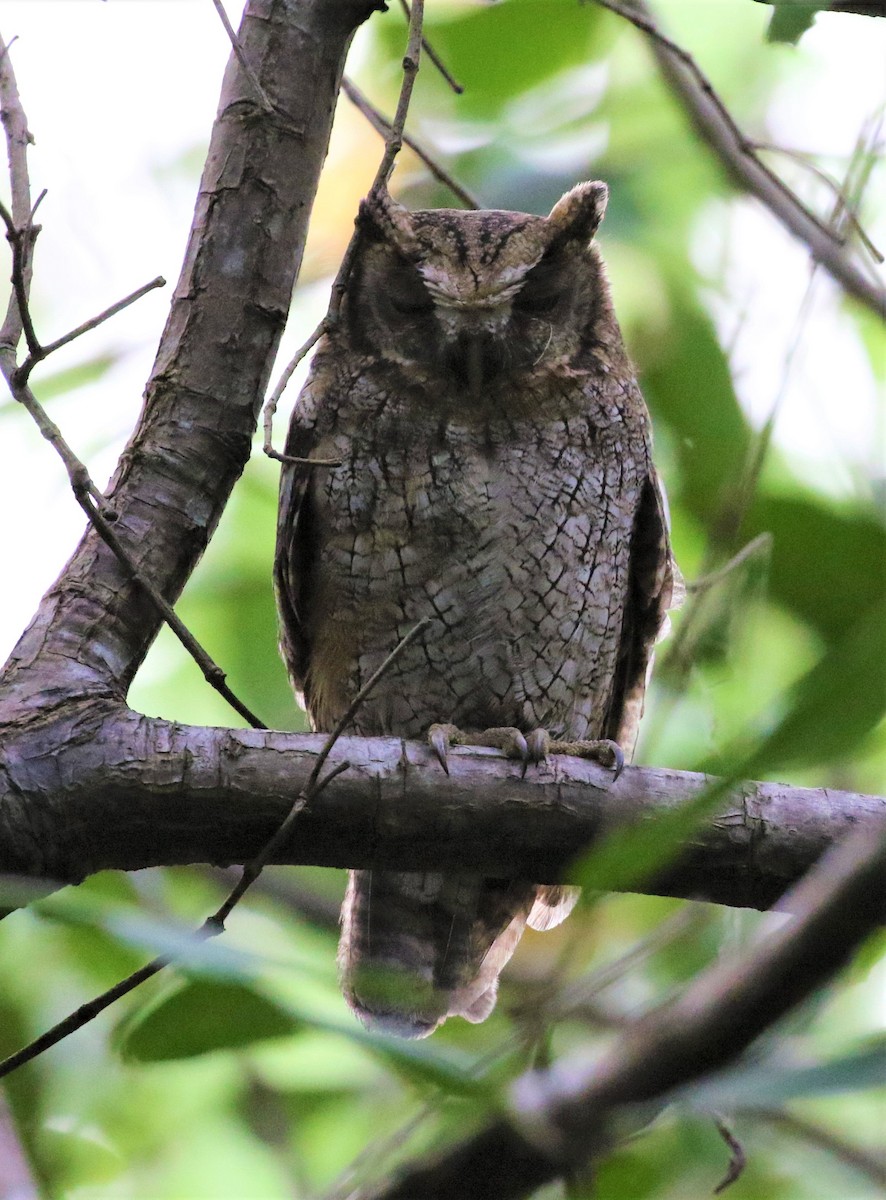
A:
[(381, 218), (578, 213)]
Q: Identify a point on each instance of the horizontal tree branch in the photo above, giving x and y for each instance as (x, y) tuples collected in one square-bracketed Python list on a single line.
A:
[(102, 787)]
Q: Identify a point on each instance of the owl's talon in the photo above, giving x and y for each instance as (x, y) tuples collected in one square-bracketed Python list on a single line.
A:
[(439, 740), (618, 760), (538, 743)]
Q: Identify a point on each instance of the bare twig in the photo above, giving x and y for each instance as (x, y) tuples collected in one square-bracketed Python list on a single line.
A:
[(43, 352), (21, 241), (21, 231), (86, 493), (835, 186), (383, 126), (825, 1139), (761, 544), (433, 56), (18, 138), (282, 383), (215, 924), (716, 126), (260, 93), (393, 144), (410, 70)]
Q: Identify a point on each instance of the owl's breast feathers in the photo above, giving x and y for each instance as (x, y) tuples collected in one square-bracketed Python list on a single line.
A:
[(515, 533)]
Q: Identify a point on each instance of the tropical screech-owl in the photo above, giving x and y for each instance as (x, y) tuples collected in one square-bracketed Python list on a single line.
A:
[(495, 476)]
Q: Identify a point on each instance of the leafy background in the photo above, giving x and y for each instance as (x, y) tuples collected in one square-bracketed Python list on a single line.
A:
[(246, 1077)]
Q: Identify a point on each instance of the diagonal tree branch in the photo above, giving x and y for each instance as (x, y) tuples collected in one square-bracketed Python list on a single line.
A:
[(566, 1117), (228, 310), (715, 126)]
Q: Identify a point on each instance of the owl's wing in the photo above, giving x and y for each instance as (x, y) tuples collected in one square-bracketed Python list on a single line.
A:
[(296, 552), (655, 585)]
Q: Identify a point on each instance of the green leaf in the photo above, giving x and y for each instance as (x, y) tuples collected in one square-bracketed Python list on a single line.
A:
[(775, 1083), (790, 21), (827, 562), (201, 1016), (834, 706)]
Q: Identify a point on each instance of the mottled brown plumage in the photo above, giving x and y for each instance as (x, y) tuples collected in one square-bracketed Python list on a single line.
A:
[(496, 477)]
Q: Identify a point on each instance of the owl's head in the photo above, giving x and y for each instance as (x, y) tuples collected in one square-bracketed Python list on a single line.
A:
[(478, 296)]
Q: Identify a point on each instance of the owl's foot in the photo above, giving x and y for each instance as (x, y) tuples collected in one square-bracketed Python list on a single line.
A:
[(506, 738), (531, 748), (607, 753)]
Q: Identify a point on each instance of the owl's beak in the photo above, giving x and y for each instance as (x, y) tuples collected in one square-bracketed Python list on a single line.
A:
[(475, 359)]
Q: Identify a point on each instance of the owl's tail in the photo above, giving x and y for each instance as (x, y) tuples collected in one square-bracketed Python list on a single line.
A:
[(418, 947)]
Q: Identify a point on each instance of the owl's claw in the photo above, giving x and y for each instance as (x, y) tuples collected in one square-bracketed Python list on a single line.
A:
[(440, 739), (538, 744)]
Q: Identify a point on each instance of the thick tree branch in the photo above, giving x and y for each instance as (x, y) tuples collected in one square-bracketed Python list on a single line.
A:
[(103, 787), (711, 120), (565, 1117), (228, 311)]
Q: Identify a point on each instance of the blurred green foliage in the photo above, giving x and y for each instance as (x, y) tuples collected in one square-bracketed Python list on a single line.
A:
[(246, 1077)]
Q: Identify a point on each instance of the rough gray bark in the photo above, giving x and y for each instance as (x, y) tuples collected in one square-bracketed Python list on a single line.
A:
[(108, 788), (94, 626)]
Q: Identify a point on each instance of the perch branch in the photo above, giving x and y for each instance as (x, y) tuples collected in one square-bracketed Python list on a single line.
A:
[(75, 805), (713, 122)]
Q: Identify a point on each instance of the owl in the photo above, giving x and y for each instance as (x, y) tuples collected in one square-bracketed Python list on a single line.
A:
[(494, 476)]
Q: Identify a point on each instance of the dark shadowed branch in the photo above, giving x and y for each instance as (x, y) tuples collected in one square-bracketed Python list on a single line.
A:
[(565, 1117)]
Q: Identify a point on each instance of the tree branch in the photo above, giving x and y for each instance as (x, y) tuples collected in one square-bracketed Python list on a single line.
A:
[(565, 1117), (713, 123), (228, 310), (101, 787)]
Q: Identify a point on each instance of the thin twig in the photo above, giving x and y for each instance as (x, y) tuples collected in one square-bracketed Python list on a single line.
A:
[(393, 143), (275, 396), (716, 126), (260, 93), (410, 69), (215, 924), (81, 1016), (253, 869), (101, 515), (835, 186), (433, 56), (44, 351), (21, 241), (825, 1139), (18, 138), (762, 542), (381, 124)]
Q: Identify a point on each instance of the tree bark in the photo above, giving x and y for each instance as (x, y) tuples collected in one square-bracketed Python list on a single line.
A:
[(102, 787), (94, 626)]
